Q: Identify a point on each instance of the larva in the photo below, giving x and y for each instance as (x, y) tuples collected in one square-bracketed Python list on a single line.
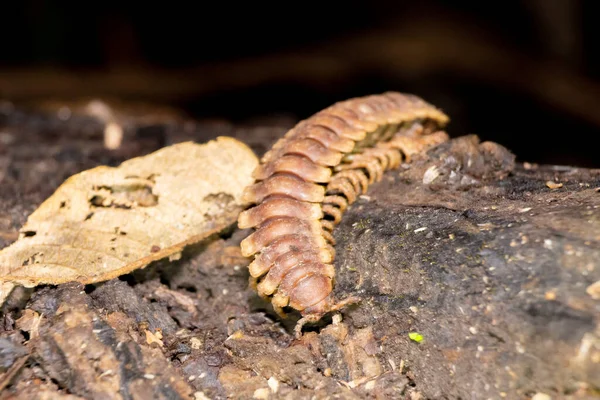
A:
[(306, 181)]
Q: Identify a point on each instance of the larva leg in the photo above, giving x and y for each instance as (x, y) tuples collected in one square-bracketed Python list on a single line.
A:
[(253, 282), (393, 157), (335, 204), (333, 212), (311, 319), (364, 161), (339, 204), (374, 160), (381, 156), (410, 146), (327, 225), (300, 324), (279, 311), (329, 237), (338, 201), (343, 185), (360, 182)]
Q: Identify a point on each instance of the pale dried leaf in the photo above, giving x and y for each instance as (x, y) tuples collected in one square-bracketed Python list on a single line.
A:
[(6, 288), (105, 222), (27, 320), (30, 322)]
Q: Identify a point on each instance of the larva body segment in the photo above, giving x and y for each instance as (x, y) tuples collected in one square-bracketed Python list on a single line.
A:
[(285, 184), (295, 164), (279, 206), (308, 179)]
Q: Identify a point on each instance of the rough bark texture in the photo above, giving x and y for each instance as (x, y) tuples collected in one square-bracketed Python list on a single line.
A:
[(488, 263)]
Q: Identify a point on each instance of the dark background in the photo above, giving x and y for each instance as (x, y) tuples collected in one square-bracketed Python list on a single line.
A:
[(523, 73)]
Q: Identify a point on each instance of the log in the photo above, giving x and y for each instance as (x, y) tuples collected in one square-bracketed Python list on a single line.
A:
[(478, 278)]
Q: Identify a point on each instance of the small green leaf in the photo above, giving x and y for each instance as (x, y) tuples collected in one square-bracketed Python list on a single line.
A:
[(416, 337)]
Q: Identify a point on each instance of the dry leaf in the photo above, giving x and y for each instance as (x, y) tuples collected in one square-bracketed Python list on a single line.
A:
[(106, 221), (6, 288), (27, 320), (30, 322)]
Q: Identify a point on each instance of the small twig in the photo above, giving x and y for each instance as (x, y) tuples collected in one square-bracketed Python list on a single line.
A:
[(12, 372), (9, 235)]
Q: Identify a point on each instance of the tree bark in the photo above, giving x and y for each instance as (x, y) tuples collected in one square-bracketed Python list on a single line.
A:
[(493, 263)]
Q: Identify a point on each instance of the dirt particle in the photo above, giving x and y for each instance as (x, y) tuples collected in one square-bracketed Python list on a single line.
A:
[(554, 185), (154, 249), (541, 396), (154, 337), (213, 360), (430, 175), (415, 337), (594, 290), (200, 396), (195, 343), (550, 295), (416, 396), (273, 384), (261, 394), (392, 364)]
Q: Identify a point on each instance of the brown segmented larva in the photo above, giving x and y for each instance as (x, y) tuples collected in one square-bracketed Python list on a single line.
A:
[(308, 179)]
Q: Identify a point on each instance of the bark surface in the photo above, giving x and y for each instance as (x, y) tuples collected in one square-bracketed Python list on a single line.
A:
[(492, 263)]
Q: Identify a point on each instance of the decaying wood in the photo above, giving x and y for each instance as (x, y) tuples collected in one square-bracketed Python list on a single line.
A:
[(476, 253)]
